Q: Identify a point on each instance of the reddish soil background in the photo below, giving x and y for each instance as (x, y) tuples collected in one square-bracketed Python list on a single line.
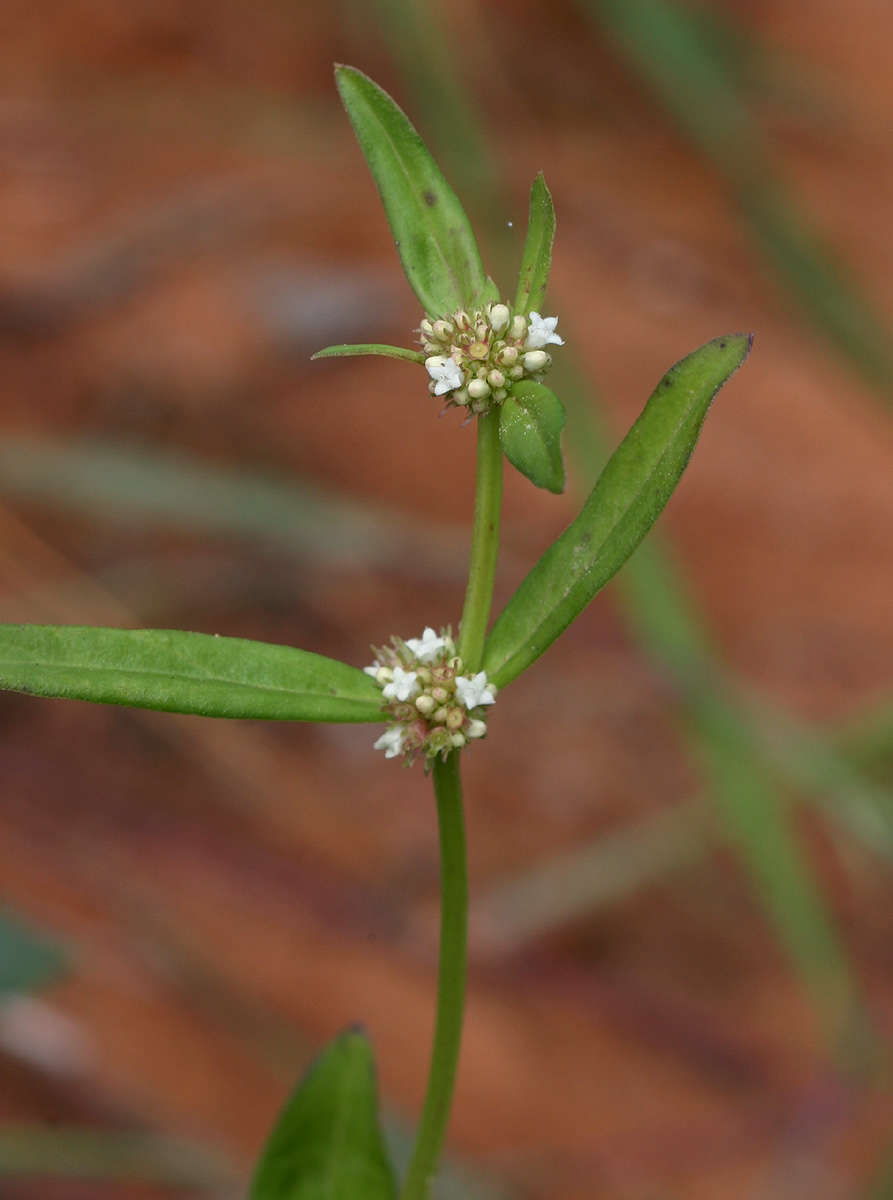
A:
[(186, 217)]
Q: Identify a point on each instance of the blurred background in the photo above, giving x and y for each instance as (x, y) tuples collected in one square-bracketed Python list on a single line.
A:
[(681, 965)]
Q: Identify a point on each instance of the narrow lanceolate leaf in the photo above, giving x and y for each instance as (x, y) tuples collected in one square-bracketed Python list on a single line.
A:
[(531, 419), (433, 236), (327, 1144), (537, 257), (184, 672), (415, 356), (628, 498)]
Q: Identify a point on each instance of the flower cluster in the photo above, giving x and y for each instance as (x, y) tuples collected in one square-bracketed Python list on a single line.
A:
[(474, 359), (433, 706)]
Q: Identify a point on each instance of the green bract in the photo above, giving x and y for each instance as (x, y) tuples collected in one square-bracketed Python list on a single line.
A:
[(432, 233), (327, 1144), (530, 423), (628, 498), (184, 672), (536, 260)]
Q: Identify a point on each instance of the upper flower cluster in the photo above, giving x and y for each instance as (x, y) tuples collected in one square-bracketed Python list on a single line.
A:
[(434, 706), (474, 359)]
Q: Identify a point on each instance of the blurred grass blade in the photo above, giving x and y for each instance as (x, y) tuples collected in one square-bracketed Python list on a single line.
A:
[(370, 348), (530, 423), (626, 501), (184, 672), (568, 888), (68, 1153), (536, 260), (27, 960), (146, 485), (432, 233), (327, 1142), (676, 52)]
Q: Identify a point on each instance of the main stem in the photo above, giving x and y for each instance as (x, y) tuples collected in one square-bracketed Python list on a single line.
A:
[(450, 982), (452, 964), (484, 543)]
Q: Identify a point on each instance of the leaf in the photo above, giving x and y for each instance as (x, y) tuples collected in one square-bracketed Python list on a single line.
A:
[(433, 236), (370, 348), (628, 498), (327, 1144), (537, 258), (27, 960), (531, 419), (184, 672)]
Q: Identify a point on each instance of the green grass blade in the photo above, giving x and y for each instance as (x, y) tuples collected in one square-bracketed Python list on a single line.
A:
[(327, 1142), (433, 235), (184, 672), (536, 261), (628, 498)]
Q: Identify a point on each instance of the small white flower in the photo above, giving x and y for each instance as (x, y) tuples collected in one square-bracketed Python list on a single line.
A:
[(428, 646), (541, 332), (475, 690), (445, 372), (373, 670), (403, 686), (391, 741)]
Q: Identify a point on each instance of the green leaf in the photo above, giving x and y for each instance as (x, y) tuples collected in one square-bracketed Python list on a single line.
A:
[(415, 356), (27, 960), (327, 1144), (530, 423), (433, 236), (628, 498), (184, 672), (537, 258)]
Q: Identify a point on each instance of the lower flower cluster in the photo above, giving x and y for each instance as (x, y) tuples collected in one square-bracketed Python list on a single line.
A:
[(434, 707)]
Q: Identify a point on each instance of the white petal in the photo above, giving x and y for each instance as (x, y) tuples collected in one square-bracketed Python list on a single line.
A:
[(391, 741)]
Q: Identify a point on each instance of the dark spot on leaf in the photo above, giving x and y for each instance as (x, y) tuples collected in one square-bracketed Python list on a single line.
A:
[(666, 381), (429, 198), (722, 345)]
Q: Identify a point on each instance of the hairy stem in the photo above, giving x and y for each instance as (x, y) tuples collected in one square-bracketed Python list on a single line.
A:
[(450, 982)]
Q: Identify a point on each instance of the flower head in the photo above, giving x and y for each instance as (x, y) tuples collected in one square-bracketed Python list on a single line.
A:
[(541, 332), (445, 372), (391, 741), (433, 708), (474, 690)]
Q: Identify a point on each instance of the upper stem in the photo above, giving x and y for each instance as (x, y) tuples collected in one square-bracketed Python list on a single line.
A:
[(484, 543), (450, 981)]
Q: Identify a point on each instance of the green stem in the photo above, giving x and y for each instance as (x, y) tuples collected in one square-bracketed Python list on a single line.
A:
[(450, 982), (484, 543)]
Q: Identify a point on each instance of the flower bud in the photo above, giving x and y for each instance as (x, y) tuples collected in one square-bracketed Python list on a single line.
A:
[(499, 317), (508, 356), (496, 379), (499, 395), (462, 321), (517, 372), (476, 729), (384, 675), (457, 741), (455, 719), (536, 360), (439, 716), (425, 704), (443, 330), (519, 327), (482, 330), (440, 694), (479, 389), (426, 327)]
